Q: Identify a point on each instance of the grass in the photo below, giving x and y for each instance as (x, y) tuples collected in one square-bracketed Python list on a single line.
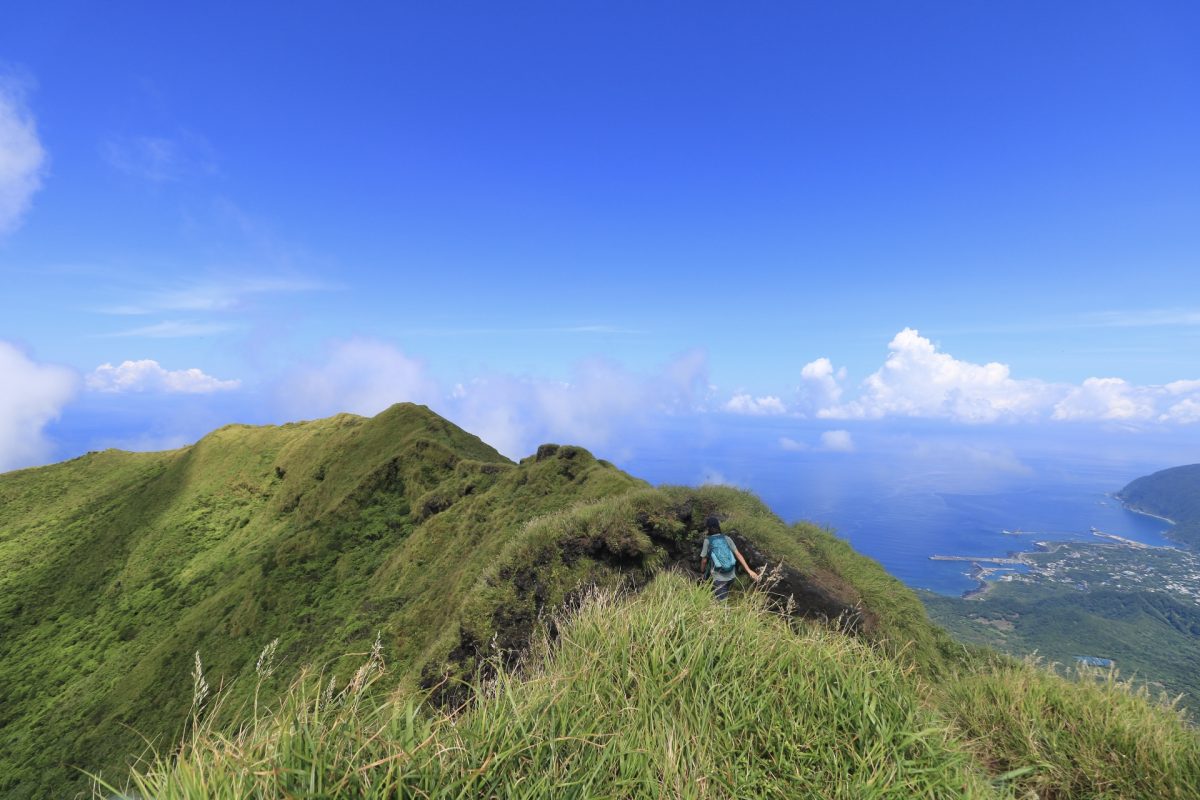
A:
[(664, 694), (1096, 737), (1150, 635), (127, 578), (667, 693), (116, 568)]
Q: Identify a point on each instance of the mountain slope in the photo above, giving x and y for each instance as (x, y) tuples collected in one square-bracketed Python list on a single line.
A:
[(1150, 635), (119, 570), (668, 694), (1172, 493)]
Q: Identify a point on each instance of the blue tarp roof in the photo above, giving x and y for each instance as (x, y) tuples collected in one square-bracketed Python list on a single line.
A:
[(1093, 661)]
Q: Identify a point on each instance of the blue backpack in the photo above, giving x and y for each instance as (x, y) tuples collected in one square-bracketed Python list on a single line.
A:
[(721, 553)]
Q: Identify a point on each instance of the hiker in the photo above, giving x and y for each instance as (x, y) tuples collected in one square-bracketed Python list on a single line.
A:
[(724, 551)]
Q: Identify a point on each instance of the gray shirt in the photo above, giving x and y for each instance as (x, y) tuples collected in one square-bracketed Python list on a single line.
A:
[(718, 575)]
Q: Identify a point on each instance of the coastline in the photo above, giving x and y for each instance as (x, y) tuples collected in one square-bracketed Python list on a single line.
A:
[(1135, 510), (1130, 507), (981, 591), (1168, 533), (1029, 554)]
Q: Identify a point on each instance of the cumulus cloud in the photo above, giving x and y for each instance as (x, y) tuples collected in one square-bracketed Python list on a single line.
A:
[(34, 394), (837, 441), (1106, 399), (742, 403), (1184, 412), (917, 380), (22, 157), (820, 386), (148, 375), (1182, 399), (361, 376), (791, 445)]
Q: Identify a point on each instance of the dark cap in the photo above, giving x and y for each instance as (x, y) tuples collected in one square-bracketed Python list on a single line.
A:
[(712, 524)]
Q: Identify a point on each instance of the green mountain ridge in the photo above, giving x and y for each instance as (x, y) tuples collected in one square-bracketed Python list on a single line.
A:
[(119, 570), (1172, 493)]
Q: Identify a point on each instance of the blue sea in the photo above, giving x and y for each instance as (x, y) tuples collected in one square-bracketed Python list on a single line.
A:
[(901, 532), (902, 498)]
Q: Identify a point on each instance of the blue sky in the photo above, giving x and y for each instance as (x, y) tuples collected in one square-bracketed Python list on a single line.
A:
[(566, 221)]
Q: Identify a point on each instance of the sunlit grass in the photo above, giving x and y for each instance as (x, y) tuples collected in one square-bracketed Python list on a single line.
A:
[(1093, 737), (663, 695)]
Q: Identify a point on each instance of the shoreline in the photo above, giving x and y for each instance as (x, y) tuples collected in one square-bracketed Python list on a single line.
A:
[(1130, 507), (1167, 520), (1167, 534), (979, 592), (984, 585)]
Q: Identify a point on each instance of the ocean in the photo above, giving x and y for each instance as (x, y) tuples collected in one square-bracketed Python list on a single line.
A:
[(902, 504)]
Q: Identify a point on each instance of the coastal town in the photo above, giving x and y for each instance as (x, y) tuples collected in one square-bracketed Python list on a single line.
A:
[(1113, 562)]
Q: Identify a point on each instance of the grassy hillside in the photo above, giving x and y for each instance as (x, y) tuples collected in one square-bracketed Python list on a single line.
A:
[(667, 694), (1173, 493), (1150, 635), (119, 571)]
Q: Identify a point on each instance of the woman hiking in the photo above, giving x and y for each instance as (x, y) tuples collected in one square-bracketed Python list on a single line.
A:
[(723, 551)]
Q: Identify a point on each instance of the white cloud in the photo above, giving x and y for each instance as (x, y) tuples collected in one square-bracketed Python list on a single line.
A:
[(1184, 412), (791, 445), (837, 441), (22, 157), (1106, 399), (361, 376), (1184, 400), (820, 386), (34, 394), (1177, 388), (918, 381), (147, 375), (600, 401), (742, 403)]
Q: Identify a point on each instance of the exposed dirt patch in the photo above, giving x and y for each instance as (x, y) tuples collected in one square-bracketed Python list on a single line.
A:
[(999, 624)]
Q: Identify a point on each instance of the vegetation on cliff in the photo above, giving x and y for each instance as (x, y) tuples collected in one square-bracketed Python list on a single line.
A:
[(668, 694), (1172, 493), (121, 572)]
